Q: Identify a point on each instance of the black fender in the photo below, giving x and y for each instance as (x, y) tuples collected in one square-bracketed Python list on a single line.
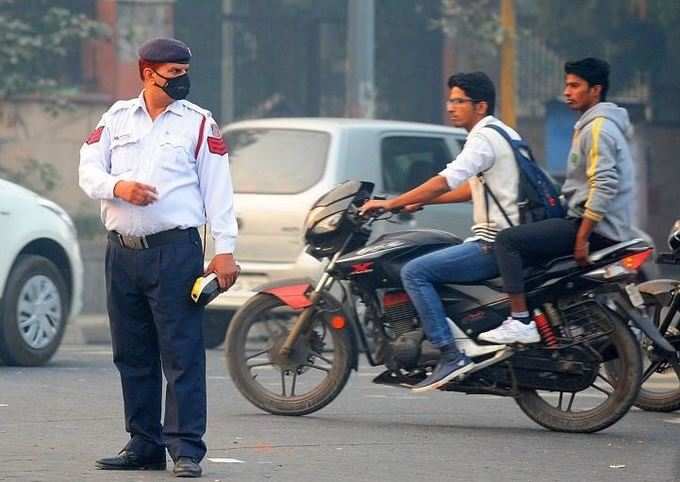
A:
[(626, 311), (295, 293)]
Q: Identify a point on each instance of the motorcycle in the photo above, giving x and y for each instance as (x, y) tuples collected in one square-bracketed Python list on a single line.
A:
[(660, 384), (291, 348)]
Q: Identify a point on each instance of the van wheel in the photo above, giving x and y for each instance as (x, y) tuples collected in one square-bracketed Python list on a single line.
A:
[(34, 312), (215, 324)]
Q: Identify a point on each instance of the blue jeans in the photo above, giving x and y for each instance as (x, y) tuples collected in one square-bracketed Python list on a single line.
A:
[(468, 262)]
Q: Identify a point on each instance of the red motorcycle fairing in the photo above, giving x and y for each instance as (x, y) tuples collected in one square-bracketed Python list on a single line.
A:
[(293, 292)]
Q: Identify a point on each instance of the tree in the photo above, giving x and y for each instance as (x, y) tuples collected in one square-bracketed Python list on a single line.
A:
[(36, 37), (624, 33)]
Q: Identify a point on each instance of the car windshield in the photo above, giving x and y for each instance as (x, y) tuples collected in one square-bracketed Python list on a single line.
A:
[(276, 161)]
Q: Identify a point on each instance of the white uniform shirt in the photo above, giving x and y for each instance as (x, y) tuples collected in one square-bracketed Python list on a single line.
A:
[(185, 162), (486, 152)]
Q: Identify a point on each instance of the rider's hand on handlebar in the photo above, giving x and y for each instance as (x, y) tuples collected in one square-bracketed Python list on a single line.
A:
[(374, 206)]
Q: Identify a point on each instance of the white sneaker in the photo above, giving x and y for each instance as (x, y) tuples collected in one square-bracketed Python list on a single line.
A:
[(512, 331)]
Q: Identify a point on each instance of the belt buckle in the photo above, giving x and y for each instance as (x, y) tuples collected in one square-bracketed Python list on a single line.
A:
[(133, 242)]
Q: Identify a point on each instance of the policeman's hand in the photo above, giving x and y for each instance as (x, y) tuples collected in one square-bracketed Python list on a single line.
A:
[(226, 269), (135, 192), (374, 205), (581, 252)]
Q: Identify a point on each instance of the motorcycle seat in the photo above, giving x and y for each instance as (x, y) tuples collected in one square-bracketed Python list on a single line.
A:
[(559, 266)]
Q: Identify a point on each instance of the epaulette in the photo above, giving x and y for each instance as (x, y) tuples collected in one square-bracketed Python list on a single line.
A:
[(195, 108), (120, 105)]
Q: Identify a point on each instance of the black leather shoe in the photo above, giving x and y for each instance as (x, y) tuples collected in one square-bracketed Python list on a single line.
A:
[(186, 467), (128, 460)]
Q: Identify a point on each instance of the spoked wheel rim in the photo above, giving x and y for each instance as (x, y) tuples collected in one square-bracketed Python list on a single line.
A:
[(39, 312), (585, 403), (605, 400), (317, 358)]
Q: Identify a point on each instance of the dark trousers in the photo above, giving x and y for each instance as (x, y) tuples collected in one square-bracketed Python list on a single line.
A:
[(536, 243), (156, 329)]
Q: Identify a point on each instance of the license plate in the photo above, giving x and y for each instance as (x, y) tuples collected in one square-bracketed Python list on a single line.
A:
[(247, 282)]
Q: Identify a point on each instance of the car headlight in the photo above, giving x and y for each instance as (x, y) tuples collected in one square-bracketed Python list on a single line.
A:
[(63, 215)]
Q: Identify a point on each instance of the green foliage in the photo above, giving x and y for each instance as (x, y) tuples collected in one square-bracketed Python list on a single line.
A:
[(478, 19), (35, 38), (633, 43), (34, 174)]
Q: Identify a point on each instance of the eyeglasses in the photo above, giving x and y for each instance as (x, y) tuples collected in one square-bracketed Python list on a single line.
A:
[(459, 101)]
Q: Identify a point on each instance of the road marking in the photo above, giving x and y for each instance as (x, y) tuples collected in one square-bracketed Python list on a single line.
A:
[(673, 420), (3, 405), (219, 460), (217, 378)]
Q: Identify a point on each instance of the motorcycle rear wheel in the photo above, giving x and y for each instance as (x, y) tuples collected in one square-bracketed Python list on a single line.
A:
[(622, 391), (318, 368)]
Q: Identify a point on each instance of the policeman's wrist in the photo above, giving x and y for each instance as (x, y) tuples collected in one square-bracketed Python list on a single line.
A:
[(115, 188)]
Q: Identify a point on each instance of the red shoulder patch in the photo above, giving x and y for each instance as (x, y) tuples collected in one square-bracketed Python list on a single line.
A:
[(95, 135), (216, 145)]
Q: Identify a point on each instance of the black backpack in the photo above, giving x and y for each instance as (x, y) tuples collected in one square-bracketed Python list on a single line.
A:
[(538, 197)]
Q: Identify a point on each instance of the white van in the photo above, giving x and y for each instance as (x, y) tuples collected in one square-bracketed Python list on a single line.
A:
[(281, 166)]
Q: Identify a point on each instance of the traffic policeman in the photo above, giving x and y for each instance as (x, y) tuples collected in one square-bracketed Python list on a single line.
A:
[(159, 166)]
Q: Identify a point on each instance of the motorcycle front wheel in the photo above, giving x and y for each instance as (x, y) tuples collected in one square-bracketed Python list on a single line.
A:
[(305, 381)]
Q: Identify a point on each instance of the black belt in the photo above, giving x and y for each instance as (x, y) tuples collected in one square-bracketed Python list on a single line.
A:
[(152, 240)]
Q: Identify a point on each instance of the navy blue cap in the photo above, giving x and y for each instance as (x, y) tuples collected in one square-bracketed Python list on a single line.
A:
[(165, 50)]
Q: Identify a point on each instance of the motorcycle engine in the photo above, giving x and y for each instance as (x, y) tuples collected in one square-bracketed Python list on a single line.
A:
[(401, 322), (400, 315), (404, 352)]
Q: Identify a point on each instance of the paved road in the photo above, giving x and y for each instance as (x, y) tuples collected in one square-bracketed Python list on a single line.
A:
[(56, 420)]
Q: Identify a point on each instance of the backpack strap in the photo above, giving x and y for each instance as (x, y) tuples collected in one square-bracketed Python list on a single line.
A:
[(487, 190), (514, 143)]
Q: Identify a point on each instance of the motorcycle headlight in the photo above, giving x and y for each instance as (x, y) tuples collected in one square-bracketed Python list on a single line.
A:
[(328, 225)]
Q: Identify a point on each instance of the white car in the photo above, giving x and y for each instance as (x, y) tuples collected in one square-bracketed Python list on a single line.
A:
[(281, 166), (41, 275)]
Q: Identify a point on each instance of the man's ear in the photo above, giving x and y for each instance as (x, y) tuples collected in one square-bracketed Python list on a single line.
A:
[(597, 90), (482, 107), (147, 73)]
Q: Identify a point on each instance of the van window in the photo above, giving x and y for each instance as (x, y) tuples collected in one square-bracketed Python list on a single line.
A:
[(408, 161), (276, 161)]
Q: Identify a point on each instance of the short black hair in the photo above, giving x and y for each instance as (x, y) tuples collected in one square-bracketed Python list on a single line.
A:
[(592, 70), (478, 86)]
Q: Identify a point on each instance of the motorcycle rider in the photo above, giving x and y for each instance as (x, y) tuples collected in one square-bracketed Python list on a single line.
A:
[(598, 190), (471, 106)]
